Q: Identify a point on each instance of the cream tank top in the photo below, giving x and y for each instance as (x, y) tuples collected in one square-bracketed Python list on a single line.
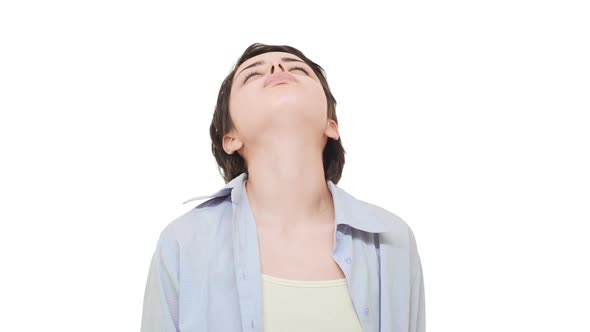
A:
[(306, 305)]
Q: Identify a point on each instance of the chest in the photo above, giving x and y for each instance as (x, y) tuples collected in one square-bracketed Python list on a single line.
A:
[(311, 306), (219, 271), (300, 255)]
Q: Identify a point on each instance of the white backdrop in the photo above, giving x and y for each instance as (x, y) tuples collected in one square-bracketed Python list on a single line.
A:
[(475, 114)]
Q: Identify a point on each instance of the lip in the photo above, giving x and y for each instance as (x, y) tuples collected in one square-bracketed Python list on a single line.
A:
[(278, 77)]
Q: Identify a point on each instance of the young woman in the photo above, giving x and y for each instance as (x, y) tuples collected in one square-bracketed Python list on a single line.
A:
[(280, 247)]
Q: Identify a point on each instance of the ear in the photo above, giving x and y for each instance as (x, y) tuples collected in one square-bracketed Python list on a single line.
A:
[(231, 143), (332, 130)]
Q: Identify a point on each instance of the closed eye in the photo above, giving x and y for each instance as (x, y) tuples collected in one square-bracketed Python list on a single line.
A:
[(257, 73), (250, 75), (300, 68)]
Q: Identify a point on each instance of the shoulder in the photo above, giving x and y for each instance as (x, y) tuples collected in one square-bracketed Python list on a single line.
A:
[(396, 228), (195, 222), (397, 223), (399, 234)]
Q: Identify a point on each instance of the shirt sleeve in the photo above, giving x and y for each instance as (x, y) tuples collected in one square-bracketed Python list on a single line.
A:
[(160, 302), (417, 301)]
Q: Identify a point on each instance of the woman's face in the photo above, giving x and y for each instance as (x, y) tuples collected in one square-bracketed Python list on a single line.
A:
[(261, 112)]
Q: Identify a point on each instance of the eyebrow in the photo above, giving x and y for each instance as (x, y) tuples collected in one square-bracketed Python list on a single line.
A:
[(261, 62)]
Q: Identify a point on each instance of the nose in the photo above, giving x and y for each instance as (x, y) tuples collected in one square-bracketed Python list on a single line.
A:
[(276, 65)]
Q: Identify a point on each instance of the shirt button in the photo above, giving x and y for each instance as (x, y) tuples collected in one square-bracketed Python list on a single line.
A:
[(348, 260), (366, 310), (243, 275)]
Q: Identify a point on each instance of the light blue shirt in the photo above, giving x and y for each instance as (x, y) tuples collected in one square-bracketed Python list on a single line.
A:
[(205, 275)]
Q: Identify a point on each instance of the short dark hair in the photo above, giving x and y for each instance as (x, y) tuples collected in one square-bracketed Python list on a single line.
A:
[(232, 165)]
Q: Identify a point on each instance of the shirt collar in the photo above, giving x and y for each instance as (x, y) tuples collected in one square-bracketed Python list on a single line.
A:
[(348, 209)]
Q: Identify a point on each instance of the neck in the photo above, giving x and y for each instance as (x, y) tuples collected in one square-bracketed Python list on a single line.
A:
[(286, 187)]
